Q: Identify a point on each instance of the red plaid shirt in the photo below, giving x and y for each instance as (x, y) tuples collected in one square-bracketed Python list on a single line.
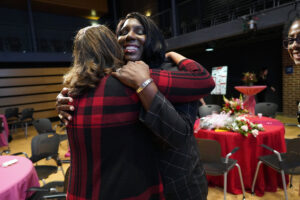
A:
[(112, 153)]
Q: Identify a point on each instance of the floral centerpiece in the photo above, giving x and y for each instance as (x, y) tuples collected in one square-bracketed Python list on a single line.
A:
[(234, 106), (215, 121), (226, 122), (230, 119), (249, 78), (243, 126)]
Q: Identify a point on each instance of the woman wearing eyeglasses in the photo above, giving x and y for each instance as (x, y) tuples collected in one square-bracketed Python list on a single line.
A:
[(292, 44)]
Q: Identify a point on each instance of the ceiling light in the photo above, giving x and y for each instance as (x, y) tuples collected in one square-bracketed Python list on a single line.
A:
[(92, 17), (252, 24), (209, 49), (93, 12), (148, 13)]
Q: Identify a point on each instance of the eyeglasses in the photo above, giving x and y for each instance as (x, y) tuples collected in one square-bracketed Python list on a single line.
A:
[(289, 41)]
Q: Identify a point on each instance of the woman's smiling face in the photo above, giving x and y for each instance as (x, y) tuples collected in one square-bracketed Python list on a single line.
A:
[(132, 38), (294, 47)]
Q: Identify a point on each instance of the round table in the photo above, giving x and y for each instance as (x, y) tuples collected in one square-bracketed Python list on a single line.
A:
[(16, 179), (247, 156), (249, 92)]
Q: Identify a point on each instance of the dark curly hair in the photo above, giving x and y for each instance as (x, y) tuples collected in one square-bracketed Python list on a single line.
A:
[(155, 45)]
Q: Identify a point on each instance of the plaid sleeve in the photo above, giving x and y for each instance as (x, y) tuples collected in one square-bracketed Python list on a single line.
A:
[(191, 83), (173, 127)]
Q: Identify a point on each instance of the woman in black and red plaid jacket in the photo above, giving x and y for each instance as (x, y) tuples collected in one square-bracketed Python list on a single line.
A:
[(112, 154), (109, 191), (171, 125)]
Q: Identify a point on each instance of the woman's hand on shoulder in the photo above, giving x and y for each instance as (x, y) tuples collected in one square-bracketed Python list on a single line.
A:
[(133, 74), (62, 105)]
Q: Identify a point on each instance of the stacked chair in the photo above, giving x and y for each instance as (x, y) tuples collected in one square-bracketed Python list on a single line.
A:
[(12, 117), (14, 120), (26, 118)]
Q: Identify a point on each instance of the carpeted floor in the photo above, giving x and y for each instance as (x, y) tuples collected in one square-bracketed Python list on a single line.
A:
[(20, 143)]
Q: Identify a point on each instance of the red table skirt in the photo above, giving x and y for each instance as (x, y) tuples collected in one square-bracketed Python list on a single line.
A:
[(247, 156), (250, 91)]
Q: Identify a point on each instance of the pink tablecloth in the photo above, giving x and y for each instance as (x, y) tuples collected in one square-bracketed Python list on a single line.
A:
[(4, 134), (17, 178), (247, 156), (249, 92)]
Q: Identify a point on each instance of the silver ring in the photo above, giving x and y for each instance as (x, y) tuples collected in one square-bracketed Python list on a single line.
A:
[(118, 70)]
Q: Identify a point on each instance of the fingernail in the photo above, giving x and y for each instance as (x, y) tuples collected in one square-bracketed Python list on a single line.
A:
[(72, 108), (60, 116), (71, 100), (69, 118), (66, 123)]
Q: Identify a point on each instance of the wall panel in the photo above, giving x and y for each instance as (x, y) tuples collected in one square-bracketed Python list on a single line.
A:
[(8, 82), (21, 72), (36, 106), (13, 91), (14, 101), (45, 114), (31, 88)]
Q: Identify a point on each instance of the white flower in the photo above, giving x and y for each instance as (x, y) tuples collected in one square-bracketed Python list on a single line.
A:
[(235, 127), (240, 118), (244, 128), (260, 126), (254, 132)]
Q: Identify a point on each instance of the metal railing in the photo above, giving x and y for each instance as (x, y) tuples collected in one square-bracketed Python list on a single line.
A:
[(194, 14)]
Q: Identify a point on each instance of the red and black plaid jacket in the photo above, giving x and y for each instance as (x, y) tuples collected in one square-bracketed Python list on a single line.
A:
[(112, 155)]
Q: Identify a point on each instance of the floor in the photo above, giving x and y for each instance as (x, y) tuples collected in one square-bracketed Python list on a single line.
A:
[(20, 143)]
